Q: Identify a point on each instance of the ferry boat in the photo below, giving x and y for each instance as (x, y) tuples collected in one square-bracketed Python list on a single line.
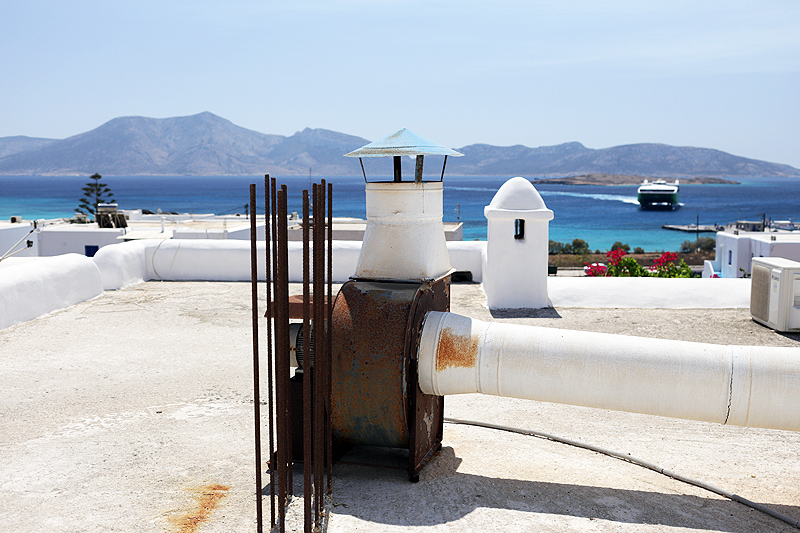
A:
[(658, 194)]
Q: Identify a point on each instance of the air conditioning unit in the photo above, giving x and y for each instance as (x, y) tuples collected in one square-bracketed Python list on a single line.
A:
[(775, 293)]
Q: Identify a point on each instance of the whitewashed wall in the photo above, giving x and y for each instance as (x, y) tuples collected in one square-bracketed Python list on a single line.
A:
[(32, 287), (11, 233), (58, 240), (129, 263)]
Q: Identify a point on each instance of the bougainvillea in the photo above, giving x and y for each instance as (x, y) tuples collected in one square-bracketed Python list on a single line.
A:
[(622, 265), (595, 269), (665, 267)]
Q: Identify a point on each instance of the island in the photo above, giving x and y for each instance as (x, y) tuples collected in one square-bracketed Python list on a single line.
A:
[(624, 179)]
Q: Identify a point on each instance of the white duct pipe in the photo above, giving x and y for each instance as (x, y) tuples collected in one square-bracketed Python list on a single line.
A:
[(740, 385), (404, 239)]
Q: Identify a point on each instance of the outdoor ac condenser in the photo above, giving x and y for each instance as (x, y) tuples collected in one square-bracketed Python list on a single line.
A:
[(775, 293)]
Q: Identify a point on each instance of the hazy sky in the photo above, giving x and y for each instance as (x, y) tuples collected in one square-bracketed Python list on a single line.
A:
[(719, 74)]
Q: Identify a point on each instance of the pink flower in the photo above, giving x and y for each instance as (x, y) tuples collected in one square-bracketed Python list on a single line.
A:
[(595, 269), (666, 257), (615, 255)]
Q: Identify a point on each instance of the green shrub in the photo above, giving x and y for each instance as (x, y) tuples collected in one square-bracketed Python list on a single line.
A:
[(579, 246), (665, 267), (703, 244), (621, 264), (555, 247), (628, 267)]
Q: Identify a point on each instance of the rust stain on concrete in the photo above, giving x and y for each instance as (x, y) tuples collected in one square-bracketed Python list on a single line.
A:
[(456, 350), (208, 498)]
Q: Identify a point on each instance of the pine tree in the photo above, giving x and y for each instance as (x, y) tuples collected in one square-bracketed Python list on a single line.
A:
[(94, 193)]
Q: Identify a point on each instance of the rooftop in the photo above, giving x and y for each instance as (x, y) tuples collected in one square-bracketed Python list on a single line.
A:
[(120, 412)]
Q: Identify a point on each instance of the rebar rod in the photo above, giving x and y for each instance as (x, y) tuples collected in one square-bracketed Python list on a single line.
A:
[(319, 347), (269, 199), (284, 250), (315, 370), (284, 448), (307, 373), (323, 315), (329, 346), (256, 374)]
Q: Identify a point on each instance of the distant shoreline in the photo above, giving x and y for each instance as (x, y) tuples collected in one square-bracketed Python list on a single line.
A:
[(625, 179)]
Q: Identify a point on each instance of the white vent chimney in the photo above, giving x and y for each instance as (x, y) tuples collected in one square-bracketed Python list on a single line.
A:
[(515, 273), (404, 239)]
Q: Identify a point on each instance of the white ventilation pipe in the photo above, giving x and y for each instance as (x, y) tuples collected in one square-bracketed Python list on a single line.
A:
[(404, 238), (740, 385)]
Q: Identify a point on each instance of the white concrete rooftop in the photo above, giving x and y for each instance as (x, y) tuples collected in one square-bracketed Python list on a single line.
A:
[(118, 413)]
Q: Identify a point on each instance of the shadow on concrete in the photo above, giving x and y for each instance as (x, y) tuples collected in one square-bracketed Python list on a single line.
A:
[(443, 495), (547, 312), (791, 336)]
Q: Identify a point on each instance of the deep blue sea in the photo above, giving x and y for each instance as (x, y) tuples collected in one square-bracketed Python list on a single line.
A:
[(597, 214)]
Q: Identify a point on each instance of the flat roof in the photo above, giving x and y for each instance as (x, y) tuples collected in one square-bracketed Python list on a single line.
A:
[(120, 412), (779, 236)]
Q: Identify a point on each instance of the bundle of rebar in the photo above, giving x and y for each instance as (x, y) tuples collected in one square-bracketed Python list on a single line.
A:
[(315, 407)]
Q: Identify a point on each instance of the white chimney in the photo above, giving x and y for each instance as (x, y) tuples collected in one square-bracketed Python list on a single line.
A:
[(515, 273), (404, 239)]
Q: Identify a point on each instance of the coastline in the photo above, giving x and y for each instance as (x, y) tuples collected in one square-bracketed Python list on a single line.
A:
[(597, 215)]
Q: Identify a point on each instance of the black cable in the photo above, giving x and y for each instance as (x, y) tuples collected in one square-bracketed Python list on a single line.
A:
[(735, 497), (9, 252)]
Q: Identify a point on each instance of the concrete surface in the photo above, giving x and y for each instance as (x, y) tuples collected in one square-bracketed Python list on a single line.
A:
[(655, 293), (133, 412)]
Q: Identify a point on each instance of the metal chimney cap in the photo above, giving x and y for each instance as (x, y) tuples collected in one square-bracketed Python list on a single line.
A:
[(402, 143)]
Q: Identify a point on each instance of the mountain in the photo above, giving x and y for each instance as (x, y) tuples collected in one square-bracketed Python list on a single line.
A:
[(20, 143), (206, 144), (202, 144), (634, 159), (316, 149)]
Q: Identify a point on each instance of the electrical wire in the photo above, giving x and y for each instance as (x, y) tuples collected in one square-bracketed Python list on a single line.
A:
[(731, 496), (9, 253), (246, 207)]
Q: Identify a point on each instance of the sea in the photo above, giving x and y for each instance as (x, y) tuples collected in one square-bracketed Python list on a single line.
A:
[(600, 215)]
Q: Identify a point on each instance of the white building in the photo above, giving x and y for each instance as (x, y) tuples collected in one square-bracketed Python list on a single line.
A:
[(57, 236), (513, 272), (735, 251)]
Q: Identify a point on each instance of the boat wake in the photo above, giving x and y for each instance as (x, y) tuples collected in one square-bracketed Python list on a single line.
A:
[(484, 189), (604, 197)]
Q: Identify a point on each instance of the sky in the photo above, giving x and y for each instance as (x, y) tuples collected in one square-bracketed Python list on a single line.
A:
[(721, 74)]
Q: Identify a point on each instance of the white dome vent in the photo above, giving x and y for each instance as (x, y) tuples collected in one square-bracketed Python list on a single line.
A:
[(517, 194)]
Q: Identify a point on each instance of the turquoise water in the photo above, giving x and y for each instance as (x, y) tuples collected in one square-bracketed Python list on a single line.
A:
[(596, 214)]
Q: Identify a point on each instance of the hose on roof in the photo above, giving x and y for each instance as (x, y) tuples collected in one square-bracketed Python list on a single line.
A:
[(731, 496)]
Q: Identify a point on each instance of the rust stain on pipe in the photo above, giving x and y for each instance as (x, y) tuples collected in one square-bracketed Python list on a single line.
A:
[(456, 350), (209, 497)]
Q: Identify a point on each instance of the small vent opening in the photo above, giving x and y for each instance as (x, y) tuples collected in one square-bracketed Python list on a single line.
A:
[(519, 229)]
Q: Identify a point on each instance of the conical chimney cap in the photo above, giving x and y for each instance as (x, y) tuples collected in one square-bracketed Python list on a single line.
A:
[(402, 143)]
